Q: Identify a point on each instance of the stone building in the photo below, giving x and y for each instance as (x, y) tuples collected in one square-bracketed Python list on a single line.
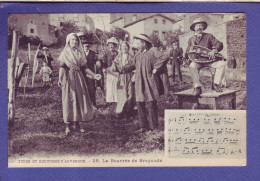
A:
[(33, 25), (146, 23), (81, 20), (185, 20)]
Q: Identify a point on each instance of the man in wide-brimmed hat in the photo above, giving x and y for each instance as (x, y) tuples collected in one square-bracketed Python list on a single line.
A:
[(209, 41), (147, 62), (95, 66), (91, 61), (81, 36)]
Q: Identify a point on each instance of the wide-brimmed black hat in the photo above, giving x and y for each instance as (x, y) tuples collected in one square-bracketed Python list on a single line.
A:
[(144, 37), (86, 42), (45, 48), (80, 34), (112, 40)]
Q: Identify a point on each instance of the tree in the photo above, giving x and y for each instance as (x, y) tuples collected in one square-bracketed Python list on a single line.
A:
[(155, 40), (172, 36), (12, 25), (118, 33), (67, 27)]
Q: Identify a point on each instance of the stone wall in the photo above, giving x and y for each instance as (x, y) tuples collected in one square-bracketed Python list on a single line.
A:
[(236, 42)]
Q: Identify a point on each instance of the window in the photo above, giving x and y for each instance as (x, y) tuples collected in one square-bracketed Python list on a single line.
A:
[(163, 21), (155, 21), (32, 22), (32, 31), (61, 17), (134, 18), (164, 35), (156, 32), (76, 17)]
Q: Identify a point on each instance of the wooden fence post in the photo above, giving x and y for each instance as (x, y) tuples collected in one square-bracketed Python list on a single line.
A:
[(35, 64), (11, 100)]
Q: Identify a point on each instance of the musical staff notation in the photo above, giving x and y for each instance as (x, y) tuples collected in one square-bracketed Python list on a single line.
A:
[(206, 135)]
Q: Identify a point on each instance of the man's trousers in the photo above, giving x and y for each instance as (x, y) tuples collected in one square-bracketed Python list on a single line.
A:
[(219, 66), (176, 65), (148, 114)]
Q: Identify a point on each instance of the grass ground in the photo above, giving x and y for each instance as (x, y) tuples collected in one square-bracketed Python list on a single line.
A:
[(39, 126)]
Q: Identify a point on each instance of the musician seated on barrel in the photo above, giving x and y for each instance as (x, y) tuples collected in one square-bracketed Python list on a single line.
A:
[(208, 42)]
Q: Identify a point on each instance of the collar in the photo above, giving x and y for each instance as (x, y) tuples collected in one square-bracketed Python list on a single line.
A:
[(145, 50), (198, 34), (87, 52)]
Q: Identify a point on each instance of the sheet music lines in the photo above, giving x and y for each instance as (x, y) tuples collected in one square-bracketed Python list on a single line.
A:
[(205, 134)]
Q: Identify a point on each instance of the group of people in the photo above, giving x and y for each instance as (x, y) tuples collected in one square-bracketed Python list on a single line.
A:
[(127, 79)]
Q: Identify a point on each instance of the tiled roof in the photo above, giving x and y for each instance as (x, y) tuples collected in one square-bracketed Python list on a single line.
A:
[(147, 17)]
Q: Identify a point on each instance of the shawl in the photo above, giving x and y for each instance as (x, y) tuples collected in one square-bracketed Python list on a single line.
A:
[(74, 59), (120, 63)]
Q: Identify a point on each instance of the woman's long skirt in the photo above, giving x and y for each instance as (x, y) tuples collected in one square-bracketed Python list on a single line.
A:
[(111, 87), (76, 104)]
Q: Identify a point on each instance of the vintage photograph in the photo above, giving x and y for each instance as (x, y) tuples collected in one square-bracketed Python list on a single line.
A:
[(92, 89)]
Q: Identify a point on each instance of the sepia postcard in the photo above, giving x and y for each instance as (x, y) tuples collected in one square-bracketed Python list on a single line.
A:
[(127, 89)]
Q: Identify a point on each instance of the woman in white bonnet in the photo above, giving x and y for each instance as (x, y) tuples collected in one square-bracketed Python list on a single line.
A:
[(76, 104)]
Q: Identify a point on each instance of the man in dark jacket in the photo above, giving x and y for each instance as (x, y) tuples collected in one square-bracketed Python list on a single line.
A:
[(147, 61), (209, 41), (175, 57), (92, 64)]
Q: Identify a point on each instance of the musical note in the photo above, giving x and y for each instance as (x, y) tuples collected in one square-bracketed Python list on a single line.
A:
[(190, 141), (185, 150), (217, 121), (195, 150), (219, 131), (206, 121), (233, 141), (210, 131), (221, 151), (225, 140), (194, 121), (210, 140), (206, 151), (174, 131), (178, 140), (235, 151), (199, 131), (237, 131), (229, 131), (186, 130), (202, 141), (229, 121), (181, 120)]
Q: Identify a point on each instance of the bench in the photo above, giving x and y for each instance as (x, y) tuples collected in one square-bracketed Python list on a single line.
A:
[(219, 100)]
